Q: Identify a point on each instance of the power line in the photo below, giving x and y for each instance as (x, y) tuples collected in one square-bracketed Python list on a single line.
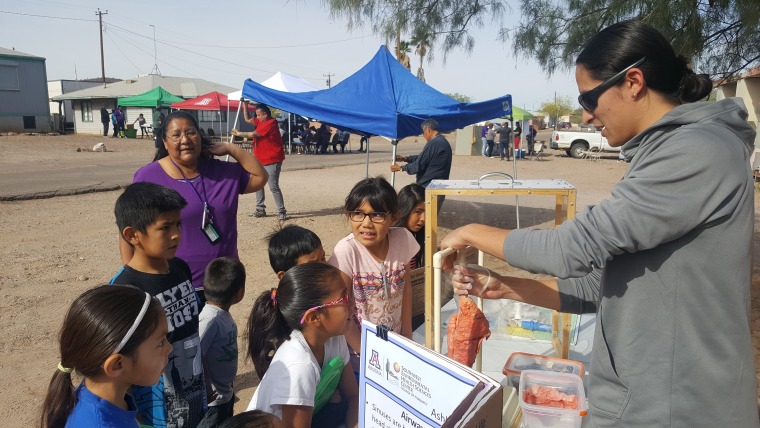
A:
[(49, 17), (272, 47)]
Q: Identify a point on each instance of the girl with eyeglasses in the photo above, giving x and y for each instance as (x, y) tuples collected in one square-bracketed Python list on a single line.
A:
[(295, 340), (666, 261), (374, 259)]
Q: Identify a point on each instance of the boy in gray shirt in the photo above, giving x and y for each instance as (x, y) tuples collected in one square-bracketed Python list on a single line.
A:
[(224, 284)]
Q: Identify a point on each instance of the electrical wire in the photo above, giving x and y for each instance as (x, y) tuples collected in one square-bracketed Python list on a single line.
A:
[(49, 17), (108, 33)]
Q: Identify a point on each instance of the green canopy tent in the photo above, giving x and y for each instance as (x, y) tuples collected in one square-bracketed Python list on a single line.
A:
[(520, 114), (157, 97)]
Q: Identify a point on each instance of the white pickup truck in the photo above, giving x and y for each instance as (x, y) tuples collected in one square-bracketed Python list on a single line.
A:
[(576, 142)]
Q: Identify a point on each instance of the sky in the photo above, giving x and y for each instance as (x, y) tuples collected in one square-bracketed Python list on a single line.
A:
[(228, 41)]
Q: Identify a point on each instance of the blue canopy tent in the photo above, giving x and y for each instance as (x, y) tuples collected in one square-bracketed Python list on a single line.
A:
[(382, 98)]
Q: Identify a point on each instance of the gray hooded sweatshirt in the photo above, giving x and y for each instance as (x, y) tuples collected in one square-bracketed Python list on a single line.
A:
[(665, 263)]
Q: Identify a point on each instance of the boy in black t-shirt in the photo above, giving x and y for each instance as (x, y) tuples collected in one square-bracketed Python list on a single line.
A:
[(148, 217)]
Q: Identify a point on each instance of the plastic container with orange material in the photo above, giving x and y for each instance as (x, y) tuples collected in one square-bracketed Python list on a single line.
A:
[(520, 361), (546, 416)]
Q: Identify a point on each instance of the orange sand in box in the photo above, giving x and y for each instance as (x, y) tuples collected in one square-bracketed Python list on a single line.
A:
[(550, 397)]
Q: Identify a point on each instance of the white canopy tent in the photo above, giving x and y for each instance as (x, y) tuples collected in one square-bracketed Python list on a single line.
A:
[(279, 81)]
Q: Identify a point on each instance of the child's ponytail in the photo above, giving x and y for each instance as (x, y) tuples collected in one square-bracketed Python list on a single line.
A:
[(265, 330), (60, 399), (276, 313), (96, 327)]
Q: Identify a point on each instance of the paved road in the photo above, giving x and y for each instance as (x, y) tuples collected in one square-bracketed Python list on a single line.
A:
[(71, 176)]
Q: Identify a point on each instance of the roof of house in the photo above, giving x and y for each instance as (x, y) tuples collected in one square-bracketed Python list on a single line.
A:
[(17, 54), (184, 87)]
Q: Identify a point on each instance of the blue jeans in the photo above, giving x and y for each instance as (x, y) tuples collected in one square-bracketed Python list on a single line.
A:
[(485, 146), (274, 186)]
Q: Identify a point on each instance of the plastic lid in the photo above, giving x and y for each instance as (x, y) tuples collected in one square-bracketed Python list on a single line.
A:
[(520, 361)]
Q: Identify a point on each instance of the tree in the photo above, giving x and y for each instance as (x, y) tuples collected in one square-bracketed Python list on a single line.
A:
[(421, 42), (721, 37), (402, 53), (459, 97), (556, 108)]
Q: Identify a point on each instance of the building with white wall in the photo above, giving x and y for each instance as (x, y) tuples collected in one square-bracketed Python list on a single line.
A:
[(746, 87)]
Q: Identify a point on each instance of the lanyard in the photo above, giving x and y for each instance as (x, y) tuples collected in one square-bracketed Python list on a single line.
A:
[(203, 198)]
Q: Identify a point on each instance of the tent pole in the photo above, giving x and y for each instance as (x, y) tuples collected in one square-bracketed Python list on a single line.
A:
[(394, 143), (290, 149), (366, 175), (514, 167), (237, 116)]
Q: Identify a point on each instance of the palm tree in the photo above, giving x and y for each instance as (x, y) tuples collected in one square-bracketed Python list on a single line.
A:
[(402, 49), (422, 43)]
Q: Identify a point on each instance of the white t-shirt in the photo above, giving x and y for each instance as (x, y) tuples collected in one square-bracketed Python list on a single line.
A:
[(293, 375), (372, 303)]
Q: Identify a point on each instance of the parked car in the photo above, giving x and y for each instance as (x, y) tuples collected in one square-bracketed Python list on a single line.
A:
[(577, 142)]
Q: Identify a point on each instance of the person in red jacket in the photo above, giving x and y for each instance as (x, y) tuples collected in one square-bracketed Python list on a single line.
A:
[(268, 148)]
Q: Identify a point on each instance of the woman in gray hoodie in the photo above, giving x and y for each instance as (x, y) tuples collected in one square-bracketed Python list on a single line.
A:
[(666, 261)]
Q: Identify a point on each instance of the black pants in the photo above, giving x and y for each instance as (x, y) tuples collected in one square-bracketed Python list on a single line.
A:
[(489, 150), (105, 128), (116, 130)]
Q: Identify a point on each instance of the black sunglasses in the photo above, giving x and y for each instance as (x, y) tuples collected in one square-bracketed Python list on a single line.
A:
[(590, 99)]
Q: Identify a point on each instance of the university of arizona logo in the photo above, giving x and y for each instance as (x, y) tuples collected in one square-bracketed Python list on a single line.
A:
[(374, 360), (373, 364)]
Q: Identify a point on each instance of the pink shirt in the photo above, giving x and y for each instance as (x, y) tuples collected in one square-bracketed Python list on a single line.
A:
[(375, 303)]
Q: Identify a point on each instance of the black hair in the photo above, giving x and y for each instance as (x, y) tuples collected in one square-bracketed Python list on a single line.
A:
[(622, 44), (409, 197), (377, 191), (222, 280), (430, 124), (250, 419), (142, 202), (275, 315), (264, 108), (288, 244), (93, 327), (161, 151)]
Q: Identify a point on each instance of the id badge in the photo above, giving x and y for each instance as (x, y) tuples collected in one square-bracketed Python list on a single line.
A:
[(210, 231), (207, 225)]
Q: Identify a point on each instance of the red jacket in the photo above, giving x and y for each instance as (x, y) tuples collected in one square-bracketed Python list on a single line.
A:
[(268, 148)]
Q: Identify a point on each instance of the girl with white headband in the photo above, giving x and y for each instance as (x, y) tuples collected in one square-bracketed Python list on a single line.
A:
[(113, 337)]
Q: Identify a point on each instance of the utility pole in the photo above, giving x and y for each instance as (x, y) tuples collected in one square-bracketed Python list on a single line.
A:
[(102, 61), (155, 69), (328, 75)]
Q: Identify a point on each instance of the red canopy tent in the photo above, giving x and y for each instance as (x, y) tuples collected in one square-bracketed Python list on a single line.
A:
[(212, 101)]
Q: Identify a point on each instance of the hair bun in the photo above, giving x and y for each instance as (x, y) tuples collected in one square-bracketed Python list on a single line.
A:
[(694, 87)]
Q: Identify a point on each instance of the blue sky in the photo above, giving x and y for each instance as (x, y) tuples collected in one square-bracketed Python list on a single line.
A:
[(229, 41)]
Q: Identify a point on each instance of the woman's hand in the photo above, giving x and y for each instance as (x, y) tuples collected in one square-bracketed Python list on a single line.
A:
[(219, 149), (477, 281)]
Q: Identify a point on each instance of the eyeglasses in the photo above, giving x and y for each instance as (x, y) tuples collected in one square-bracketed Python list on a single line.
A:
[(189, 134), (375, 217), (340, 301), (590, 99)]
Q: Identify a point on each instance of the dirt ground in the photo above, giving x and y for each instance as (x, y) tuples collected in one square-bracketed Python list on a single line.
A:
[(53, 249)]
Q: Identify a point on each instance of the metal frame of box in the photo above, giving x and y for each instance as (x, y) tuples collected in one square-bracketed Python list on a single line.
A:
[(562, 191)]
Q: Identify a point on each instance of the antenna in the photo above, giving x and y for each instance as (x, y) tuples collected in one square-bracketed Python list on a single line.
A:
[(155, 69)]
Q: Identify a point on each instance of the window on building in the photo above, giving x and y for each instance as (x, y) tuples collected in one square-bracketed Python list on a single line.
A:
[(9, 76), (30, 122), (210, 116), (86, 111)]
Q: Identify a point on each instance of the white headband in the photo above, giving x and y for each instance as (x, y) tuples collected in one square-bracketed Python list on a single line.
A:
[(137, 322)]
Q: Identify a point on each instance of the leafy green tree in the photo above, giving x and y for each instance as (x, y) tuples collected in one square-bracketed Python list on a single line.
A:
[(556, 108), (721, 37), (459, 97)]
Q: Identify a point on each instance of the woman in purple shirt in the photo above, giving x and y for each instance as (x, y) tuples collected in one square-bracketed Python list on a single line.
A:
[(211, 187)]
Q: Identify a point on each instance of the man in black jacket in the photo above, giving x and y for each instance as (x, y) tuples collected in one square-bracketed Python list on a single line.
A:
[(433, 163), (105, 119)]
